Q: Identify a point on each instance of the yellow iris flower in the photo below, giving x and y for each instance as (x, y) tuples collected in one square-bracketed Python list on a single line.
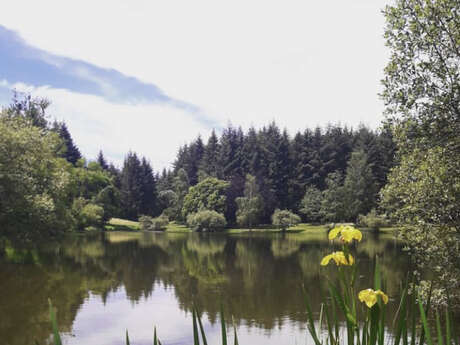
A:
[(339, 258), (348, 233), (369, 297)]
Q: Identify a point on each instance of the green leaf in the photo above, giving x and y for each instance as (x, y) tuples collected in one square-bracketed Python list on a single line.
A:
[(196, 338), (203, 335), (439, 329), (56, 336), (127, 338), (222, 322), (426, 328)]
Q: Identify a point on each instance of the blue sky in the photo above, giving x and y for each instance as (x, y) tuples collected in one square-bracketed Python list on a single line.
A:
[(151, 75)]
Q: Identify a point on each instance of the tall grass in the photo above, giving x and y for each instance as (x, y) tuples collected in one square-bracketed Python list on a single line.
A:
[(362, 314)]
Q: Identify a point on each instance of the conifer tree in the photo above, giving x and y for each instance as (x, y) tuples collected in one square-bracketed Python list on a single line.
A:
[(101, 160), (209, 164), (72, 153), (148, 189), (131, 186)]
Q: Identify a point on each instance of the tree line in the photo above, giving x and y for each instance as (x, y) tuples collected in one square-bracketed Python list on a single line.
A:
[(46, 186), (325, 174)]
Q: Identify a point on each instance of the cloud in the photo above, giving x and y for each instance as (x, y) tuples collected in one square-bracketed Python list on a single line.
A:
[(299, 62), (20, 62), (152, 130)]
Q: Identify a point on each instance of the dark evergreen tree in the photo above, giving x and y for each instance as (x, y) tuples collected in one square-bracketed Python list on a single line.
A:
[(165, 181), (131, 186), (210, 162), (285, 168), (71, 153), (148, 205), (193, 160), (116, 174), (101, 160)]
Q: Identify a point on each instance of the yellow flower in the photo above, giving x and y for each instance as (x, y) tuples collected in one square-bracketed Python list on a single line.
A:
[(348, 233), (339, 258), (369, 297)]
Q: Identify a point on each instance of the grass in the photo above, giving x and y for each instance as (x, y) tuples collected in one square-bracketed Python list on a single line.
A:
[(118, 224)]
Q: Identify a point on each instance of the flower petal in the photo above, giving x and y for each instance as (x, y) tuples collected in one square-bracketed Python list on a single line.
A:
[(383, 295), (326, 260), (368, 296), (334, 232)]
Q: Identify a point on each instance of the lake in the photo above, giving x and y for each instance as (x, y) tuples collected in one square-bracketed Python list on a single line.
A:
[(103, 284)]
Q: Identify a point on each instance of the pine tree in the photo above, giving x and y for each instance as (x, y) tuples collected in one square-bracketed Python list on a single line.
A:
[(101, 160), (72, 153), (193, 161), (131, 186), (210, 162), (148, 205)]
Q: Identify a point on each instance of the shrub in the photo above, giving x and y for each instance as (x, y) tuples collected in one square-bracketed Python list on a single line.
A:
[(372, 220), (206, 221), (284, 219), (87, 214), (153, 224)]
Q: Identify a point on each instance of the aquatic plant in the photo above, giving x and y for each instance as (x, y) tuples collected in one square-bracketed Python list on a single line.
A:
[(365, 322)]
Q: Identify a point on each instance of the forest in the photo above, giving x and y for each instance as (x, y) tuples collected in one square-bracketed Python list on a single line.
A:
[(404, 173), (331, 174)]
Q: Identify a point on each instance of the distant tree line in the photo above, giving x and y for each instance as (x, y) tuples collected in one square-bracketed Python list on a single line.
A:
[(46, 186), (325, 174)]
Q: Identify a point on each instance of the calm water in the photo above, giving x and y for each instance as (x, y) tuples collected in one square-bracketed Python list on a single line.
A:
[(106, 283)]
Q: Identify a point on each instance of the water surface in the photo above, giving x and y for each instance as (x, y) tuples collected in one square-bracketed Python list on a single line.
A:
[(104, 284)]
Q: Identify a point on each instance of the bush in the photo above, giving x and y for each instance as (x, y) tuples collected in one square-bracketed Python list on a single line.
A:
[(284, 219), (87, 214), (206, 221), (372, 220), (153, 224)]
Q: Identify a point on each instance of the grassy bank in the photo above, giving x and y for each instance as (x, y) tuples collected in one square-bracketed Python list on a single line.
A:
[(117, 224)]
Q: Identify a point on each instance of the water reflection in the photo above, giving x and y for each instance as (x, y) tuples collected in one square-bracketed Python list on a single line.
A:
[(105, 283)]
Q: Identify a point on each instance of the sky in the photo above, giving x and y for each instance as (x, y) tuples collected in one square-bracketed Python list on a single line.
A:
[(149, 76)]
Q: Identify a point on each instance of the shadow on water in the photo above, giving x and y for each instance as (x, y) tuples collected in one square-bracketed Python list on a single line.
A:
[(257, 278)]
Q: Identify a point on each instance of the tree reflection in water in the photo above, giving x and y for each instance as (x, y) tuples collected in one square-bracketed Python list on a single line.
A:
[(257, 278)]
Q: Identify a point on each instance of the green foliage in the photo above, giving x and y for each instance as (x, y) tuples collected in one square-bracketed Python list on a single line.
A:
[(206, 220), (422, 96), (209, 194), (285, 167), (372, 220), (70, 151), (35, 185), (250, 205), (153, 224), (333, 202), (87, 214), (284, 219), (138, 187), (359, 186), (168, 201), (311, 204), (181, 186)]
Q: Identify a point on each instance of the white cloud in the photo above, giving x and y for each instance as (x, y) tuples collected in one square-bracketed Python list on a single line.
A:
[(154, 131), (299, 62)]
